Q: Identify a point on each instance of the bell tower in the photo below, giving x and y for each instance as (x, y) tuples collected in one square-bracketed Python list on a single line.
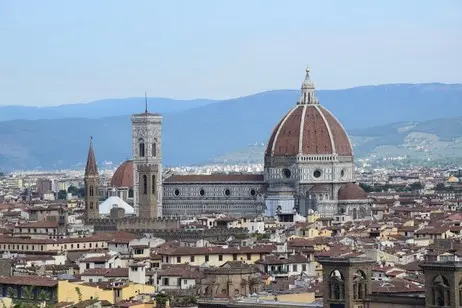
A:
[(147, 163), (91, 180), (346, 281)]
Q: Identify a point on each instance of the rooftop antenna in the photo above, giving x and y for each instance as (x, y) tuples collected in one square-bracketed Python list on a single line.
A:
[(146, 102)]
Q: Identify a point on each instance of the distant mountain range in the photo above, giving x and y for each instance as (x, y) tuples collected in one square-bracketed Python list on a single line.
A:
[(428, 142), (200, 131)]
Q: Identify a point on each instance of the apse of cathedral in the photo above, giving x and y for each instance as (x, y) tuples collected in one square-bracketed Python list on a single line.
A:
[(308, 168)]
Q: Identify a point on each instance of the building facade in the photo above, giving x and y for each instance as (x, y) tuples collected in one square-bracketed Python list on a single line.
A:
[(309, 166)]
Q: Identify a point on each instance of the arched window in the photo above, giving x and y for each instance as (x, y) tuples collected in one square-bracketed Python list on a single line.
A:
[(336, 285), (154, 149), (359, 285), (440, 291), (141, 147), (153, 184), (92, 192), (460, 293), (91, 205), (355, 213), (145, 184), (130, 193)]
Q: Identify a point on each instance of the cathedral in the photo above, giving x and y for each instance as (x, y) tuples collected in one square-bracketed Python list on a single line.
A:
[(308, 167)]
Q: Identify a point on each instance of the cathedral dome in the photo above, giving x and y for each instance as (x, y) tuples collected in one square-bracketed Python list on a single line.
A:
[(351, 191), (309, 129), (123, 176)]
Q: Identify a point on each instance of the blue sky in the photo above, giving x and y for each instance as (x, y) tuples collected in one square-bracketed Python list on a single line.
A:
[(62, 52)]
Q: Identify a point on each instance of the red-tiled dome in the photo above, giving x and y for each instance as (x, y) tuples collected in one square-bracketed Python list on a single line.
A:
[(351, 191), (309, 129), (123, 177)]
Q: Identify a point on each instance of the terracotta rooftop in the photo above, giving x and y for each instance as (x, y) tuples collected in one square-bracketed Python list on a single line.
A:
[(38, 281), (102, 258), (396, 285), (351, 191), (182, 251), (39, 224), (106, 272), (123, 176)]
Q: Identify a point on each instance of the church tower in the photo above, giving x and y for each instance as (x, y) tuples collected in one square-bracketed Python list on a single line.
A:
[(147, 163), (92, 182)]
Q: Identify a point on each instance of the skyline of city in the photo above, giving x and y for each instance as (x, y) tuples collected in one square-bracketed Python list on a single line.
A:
[(290, 198)]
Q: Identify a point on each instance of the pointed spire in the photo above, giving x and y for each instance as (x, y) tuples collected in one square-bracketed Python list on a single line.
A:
[(307, 96), (91, 168), (145, 102)]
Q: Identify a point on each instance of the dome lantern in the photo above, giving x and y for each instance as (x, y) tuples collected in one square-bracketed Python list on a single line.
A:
[(307, 95)]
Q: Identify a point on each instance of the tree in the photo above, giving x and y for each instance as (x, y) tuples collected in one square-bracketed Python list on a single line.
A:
[(440, 186), (79, 293), (161, 300), (43, 295), (62, 195), (73, 190), (28, 292), (416, 186), (81, 192), (365, 187)]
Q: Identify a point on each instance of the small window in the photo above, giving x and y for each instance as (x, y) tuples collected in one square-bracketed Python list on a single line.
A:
[(145, 184), (141, 147), (253, 192), (234, 257), (176, 192), (153, 184), (287, 173), (154, 149), (249, 256), (220, 257), (178, 259), (206, 258), (191, 258), (227, 192), (202, 192), (317, 173)]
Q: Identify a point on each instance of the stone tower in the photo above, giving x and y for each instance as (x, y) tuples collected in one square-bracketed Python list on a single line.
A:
[(92, 182), (443, 283), (147, 163), (346, 281)]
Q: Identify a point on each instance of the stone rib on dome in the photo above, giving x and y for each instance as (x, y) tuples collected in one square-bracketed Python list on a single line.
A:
[(123, 176), (309, 129)]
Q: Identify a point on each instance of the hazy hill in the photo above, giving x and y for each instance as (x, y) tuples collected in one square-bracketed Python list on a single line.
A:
[(436, 141), (197, 134), (99, 109), (358, 107)]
